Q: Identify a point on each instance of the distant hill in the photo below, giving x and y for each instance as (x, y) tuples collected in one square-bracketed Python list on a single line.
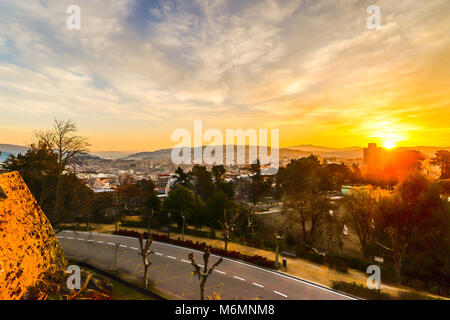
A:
[(288, 152), (12, 148), (4, 155), (326, 152), (161, 154), (429, 151), (7, 149), (110, 154), (354, 152)]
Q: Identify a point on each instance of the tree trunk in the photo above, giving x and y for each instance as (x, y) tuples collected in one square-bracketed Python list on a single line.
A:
[(276, 254), (116, 247), (149, 222), (58, 187), (145, 276), (202, 288), (226, 243), (182, 228)]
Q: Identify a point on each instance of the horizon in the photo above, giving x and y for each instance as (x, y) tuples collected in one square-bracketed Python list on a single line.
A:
[(281, 147)]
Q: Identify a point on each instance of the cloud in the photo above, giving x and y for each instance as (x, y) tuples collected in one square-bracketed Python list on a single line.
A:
[(232, 63)]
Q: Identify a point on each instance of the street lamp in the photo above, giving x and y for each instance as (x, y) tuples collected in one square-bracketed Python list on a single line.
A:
[(168, 225), (278, 237)]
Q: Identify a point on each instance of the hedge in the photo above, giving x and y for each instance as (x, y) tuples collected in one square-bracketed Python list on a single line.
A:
[(256, 259)]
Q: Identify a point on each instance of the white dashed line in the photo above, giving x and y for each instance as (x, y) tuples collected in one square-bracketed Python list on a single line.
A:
[(80, 239), (111, 244), (239, 278), (133, 248), (70, 238), (171, 257), (123, 246), (283, 295), (60, 237), (258, 285), (100, 241), (220, 271), (185, 261), (159, 254), (90, 240), (291, 278)]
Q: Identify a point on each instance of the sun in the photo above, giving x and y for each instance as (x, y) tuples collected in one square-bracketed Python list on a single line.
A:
[(389, 144)]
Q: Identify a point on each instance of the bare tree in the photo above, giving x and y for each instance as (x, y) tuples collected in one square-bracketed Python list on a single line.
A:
[(229, 223), (361, 208), (203, 275), (64, 140), (116, 249), (117, 209), (145, 253), (277, 224)]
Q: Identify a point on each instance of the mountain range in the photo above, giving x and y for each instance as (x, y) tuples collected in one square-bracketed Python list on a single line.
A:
[(354, 152)]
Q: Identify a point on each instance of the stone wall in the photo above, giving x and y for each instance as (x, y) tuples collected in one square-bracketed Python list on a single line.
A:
[(28, 245)]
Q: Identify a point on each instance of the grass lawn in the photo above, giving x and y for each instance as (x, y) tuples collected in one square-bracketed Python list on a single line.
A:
[(120, 291)]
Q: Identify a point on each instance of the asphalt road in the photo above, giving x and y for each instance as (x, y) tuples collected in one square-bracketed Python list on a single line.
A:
[(171, 270)]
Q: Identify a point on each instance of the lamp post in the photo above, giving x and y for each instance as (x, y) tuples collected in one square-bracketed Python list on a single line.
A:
[(278, 237), (168, 225)]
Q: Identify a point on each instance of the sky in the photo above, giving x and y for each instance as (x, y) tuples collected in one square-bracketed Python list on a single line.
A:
[(137, 70)]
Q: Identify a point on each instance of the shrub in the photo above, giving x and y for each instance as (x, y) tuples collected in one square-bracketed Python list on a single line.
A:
[(359, 290)]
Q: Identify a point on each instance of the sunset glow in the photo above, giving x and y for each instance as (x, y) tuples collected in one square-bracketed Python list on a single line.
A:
[(389, 144)]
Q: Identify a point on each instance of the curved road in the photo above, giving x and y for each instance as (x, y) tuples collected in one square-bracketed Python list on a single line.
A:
[(171, 271)]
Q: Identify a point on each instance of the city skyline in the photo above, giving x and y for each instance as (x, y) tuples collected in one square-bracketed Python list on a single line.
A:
[(137, 71)]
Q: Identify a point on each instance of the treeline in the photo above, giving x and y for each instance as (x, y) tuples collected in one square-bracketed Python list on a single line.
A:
[(409, 227)]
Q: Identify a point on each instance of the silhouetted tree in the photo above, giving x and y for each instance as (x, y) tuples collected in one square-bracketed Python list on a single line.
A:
[(229, 222), (203, 274), (361, 208), (182, 202), (145, 253), (442, 159), (64, 140)]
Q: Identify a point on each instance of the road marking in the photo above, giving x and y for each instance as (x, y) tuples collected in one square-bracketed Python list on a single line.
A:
[(171, 257), (123, 246), (283, 295), (185, 261), (239, 278), (220, 271), (80, 239), (133, 248), (59, 237), (70, 238), (111, 244), (90, 240), (159, 254), (289, 277), (258, 285), (100, 241)]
